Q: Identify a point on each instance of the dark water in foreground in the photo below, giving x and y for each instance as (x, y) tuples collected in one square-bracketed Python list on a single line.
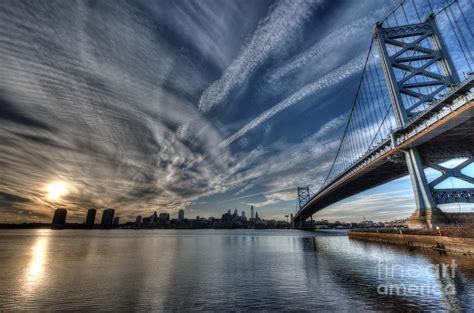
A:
[(125, 270)]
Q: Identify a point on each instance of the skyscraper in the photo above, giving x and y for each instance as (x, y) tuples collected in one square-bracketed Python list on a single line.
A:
[(154, 219), (180, 215), (164, 217), (107, 218), (138, 221), (116, 221), (252, 215), (90, 219), (59, 218)]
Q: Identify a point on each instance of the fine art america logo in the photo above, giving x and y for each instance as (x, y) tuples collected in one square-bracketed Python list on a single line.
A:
[(396, 276)]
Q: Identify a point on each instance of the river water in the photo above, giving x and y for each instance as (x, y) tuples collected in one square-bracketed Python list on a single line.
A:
[(219, 270)]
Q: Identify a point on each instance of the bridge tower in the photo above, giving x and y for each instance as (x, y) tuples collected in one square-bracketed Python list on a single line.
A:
[(303, 198), (417, 67)]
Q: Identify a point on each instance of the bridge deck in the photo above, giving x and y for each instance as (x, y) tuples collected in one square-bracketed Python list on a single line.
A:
[(450, 134)]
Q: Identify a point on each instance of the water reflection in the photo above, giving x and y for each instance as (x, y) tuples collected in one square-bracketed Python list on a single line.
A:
[(34, 273), (217, 270), (386, 277)]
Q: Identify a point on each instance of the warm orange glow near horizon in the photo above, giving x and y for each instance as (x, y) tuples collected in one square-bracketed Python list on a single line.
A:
[(56, 190)]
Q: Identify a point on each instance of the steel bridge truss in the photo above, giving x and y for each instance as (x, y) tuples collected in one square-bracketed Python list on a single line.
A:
[(428, 118), (452, 195), (303, 196), (431, 73)]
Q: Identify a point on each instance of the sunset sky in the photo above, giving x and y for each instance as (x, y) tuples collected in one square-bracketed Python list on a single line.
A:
[(210, 105)]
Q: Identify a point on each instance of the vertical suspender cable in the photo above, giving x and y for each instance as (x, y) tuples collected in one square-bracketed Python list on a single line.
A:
[(350, 114), (416, 11), (460, 32), (464, 18), (458, 40)]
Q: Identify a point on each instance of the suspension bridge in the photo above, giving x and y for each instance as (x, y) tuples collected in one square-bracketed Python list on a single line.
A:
[(414, 108)]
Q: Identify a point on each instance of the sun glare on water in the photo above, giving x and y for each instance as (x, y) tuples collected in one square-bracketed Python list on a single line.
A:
[(56, 191)]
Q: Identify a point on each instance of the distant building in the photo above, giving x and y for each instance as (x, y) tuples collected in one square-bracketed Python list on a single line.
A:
[(164, 217), (153, 219), (256, 216), (90, 219), (138, 221), (180, 215), (227, 218), (107, 218), (235, 216), (252, 215), (116, 221), (59, 218)]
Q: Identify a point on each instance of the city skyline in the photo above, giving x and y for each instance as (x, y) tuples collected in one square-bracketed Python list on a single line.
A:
[(227, 220), (91, 218), (202, 106)]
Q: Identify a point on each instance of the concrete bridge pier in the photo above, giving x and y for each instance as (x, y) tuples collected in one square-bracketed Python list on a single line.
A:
[(427, 214)]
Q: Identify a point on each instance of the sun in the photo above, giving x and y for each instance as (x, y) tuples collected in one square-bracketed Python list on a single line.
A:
[(56, 190)]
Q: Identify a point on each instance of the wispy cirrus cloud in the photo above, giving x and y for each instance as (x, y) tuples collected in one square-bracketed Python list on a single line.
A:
[(274, 33), (336, 76), (327, 45), (116, 100)]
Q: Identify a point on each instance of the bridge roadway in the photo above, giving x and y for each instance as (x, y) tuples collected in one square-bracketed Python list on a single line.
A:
[(443, 132)]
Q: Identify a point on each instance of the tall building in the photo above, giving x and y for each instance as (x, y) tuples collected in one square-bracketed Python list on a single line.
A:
[(116, 221), (227, 218), (256, 216), (138, 221), (154, 218), (59, 218), (164, 217), (243, 214), (252, 215), (180, 215), (107, 218), (90, 219)]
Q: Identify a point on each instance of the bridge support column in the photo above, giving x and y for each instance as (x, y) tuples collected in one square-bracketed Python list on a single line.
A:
[(398, 54), (426, 214)]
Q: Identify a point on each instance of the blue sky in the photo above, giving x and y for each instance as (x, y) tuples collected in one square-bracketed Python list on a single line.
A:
[(161, 105)]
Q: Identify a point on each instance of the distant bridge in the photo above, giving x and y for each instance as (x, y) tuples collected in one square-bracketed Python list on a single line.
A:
[(414, 108)]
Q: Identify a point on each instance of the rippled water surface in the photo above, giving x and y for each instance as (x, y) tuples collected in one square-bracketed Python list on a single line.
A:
[(124, 270)]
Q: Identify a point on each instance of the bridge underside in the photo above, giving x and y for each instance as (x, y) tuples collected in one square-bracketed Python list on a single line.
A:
[(454, 138), (433, 113)]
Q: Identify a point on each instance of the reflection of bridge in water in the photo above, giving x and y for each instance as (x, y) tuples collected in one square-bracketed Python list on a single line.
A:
[(371, 270), (414, 108)]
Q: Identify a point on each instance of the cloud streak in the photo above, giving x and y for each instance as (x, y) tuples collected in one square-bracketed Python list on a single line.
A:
[(274, 33), (327, 45), (327, 81), (120, 102)]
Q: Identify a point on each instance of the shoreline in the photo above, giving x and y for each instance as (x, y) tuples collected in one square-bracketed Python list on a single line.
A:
[(442, 244)]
